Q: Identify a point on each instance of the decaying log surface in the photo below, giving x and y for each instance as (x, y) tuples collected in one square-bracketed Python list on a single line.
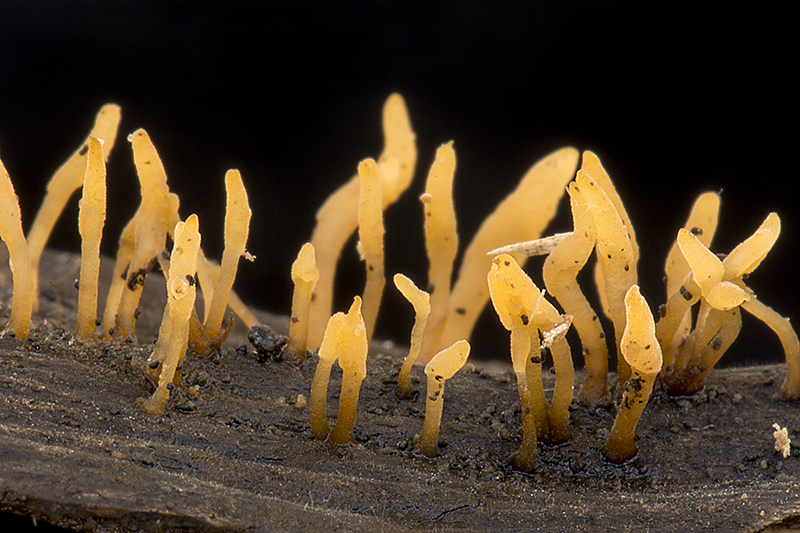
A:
[(234, 452)]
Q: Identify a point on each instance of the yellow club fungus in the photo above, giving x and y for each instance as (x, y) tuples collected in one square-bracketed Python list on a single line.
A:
[(337, 219), (181, 291), (156, 215), (441, 367), (721, 292), (353, 360), (370, 244), (676, 318), (91, 219), (560, 273), (641, 350), (125, 247), (525, 312), (616, 256), (421, 301), (514, 220), (515, 299), (591, 164), (66, 180), (304, 276), (441, 238), (702, 223), (18, 257), (691, 338), (345, 332), (237, 227)]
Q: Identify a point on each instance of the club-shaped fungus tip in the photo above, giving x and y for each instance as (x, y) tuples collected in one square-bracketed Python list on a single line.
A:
[(91, 219), (441, 367), (641, 350), (305, 276), (422, 307)]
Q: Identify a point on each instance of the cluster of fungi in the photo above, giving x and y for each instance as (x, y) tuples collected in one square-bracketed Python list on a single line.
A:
[(698, 323)]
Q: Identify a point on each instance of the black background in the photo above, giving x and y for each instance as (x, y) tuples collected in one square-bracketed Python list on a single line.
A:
[(675, 97)]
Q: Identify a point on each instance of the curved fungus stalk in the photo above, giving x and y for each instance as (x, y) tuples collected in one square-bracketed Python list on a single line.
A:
[(512, 221), (554, 327), (560, 273), (441, 367), (157, 213), (91, 219), (345, 332), (181, 291), (441, 239), (640, 348), (370, 244), (237, 228), (65, 181), (422, 307), (304, 276), (337, 219), (18, 257), (790, 389), (616, 256)]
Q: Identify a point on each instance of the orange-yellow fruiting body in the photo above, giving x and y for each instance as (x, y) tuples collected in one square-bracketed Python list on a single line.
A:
[(91, 219), (441, 239), (560, 273), (708, 272), (616, 259), (152, 221), (523, 309), (440, 368), (554, 327), (18, 257), (516, 299), (512, 221), (304, 276), (676, 321), (337, 219), (591, 164), (181, 292), (353, 348), (422, 307), (720, 289), (237, 227), (702, 223), (127, 243), (370, 234), (641, 350), (344, 333), (66, 181)]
